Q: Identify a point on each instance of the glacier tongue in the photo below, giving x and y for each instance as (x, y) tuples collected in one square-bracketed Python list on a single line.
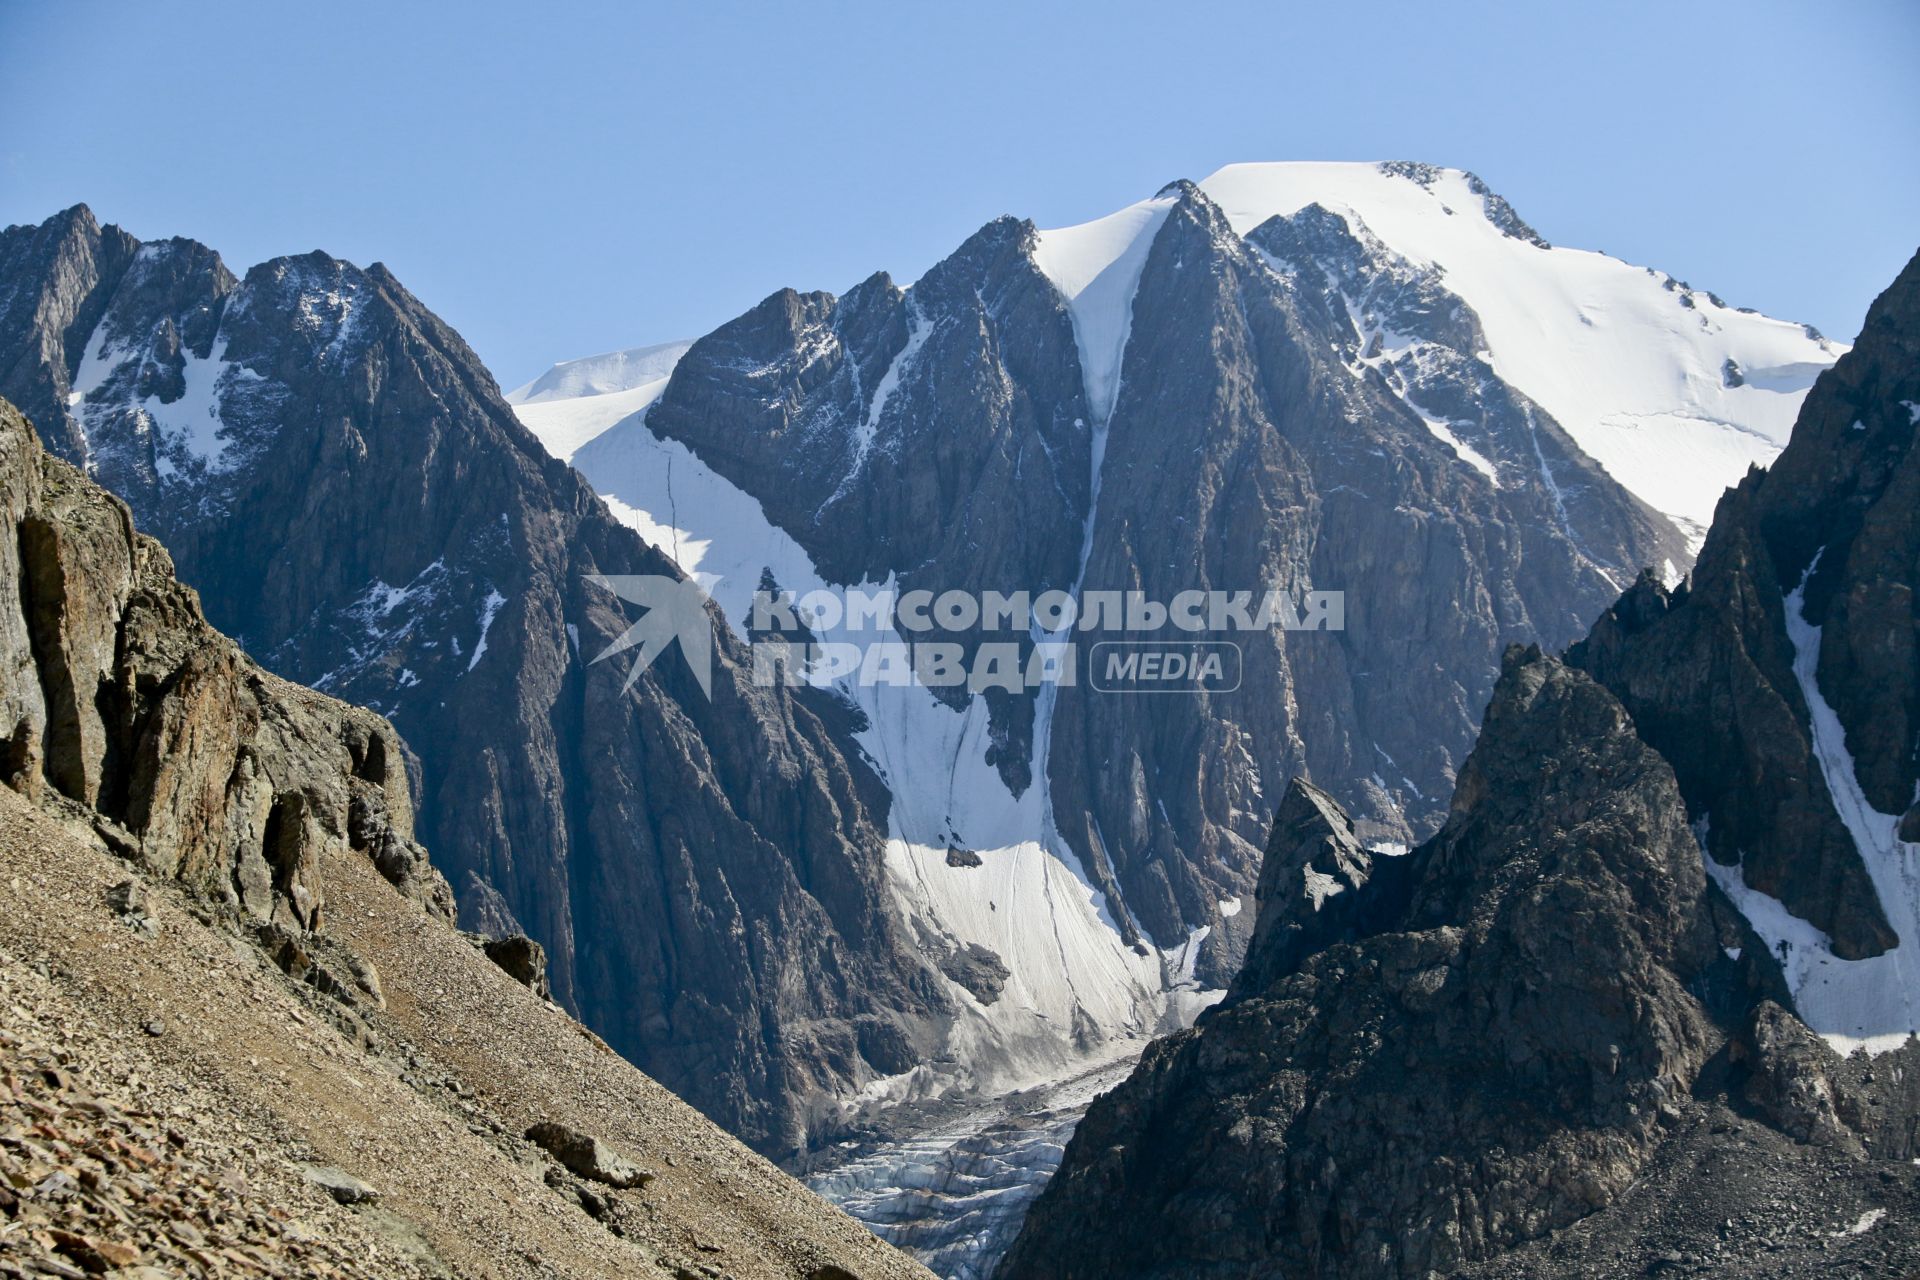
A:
[(1669, 389), (955, 1195)]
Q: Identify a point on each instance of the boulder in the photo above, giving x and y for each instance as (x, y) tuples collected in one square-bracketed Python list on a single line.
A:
[(587, 1155)]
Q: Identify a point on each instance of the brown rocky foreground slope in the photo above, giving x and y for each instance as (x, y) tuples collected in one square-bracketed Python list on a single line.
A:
[(239, 1034)]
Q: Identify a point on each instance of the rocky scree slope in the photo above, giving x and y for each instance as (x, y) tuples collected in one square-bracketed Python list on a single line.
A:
[(242, 1032), (337, 475), (1548, 1040)]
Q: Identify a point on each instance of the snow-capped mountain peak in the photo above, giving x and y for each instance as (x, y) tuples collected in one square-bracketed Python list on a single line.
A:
[(604, 374), (1671, 390)]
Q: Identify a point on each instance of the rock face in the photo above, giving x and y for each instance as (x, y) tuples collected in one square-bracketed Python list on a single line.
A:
[(1432, 1062), (336, 474), (122, 703)]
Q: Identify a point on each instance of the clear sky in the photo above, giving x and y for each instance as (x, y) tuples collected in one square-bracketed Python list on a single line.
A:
[(557, 180)]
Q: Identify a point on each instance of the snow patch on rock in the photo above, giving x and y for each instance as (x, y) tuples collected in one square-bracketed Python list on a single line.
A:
[(1871, 1004)]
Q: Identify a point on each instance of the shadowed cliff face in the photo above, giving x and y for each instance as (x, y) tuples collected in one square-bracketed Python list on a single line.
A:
[(1432, 1061), (368, 517)]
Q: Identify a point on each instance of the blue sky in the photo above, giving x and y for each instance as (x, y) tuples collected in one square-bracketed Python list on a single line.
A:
[(557, 180)]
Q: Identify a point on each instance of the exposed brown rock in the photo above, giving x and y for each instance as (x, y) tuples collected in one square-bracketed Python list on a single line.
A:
[(588, 1156), (523, 959), (218, 774)]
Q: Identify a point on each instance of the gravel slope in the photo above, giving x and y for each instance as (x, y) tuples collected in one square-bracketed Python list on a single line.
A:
[(421, 1092)]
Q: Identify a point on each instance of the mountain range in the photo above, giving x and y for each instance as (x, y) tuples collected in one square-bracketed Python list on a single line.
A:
[(833, 917), (1369, 378)]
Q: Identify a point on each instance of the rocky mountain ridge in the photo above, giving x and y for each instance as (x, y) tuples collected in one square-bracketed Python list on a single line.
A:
[(889, 433), (801, 913), (1232, 385)]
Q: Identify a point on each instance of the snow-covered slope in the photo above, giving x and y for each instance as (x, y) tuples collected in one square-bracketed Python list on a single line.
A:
[(576, 400), (1669, 389), (1096, 267), (601, 375)]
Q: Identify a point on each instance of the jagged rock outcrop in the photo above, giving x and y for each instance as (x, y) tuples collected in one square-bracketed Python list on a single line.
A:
[(1311, 884), (522, 959), (124, 706), (1548, 1023), (1496, 1059), (588, 1156), (337, 475), (1791, 1083)]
